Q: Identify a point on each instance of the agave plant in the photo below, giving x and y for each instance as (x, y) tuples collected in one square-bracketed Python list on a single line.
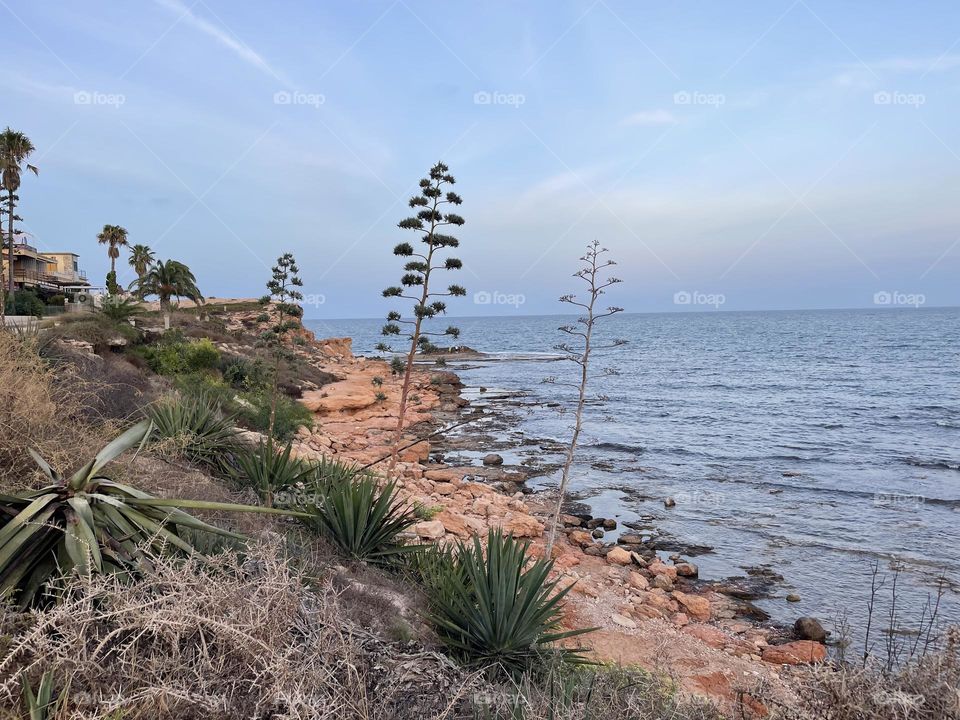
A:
[(363, 520), (497, 608), (197, 429), (90, 523), (269, 471), (40, 705)]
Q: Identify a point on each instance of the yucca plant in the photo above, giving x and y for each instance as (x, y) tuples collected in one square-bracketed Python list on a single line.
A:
[(39, 705), (90, 523), (268, 471), (195, 428), (497, 608), (362, 519)]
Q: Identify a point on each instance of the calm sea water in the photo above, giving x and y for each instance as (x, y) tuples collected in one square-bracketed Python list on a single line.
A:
[(812, 443)]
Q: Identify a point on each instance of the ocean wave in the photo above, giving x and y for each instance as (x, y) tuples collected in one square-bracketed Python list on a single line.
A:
[(933, 464)]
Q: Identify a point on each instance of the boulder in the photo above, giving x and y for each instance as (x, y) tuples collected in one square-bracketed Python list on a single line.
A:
[(638, 581), (493, 459), (809, 628), (522, 525), (430, 530), (570, 521), (619, 556), (658, 568), (581, 538), (798, 652), (687, 569), (696, 606), (663, 582)]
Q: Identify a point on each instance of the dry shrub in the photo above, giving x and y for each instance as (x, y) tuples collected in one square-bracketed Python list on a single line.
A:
[(927, 688), (562, 693), (230, 639), (40, 407)]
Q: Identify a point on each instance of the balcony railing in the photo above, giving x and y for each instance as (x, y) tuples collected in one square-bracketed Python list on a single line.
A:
[(35, 277)]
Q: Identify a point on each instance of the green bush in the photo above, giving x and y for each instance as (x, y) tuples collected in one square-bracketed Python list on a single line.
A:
[(495, 608), (361, 519), (174, 356), (202, 355), (25, 302), (166, 359), (290, 416), (243, 374), (56, 300)]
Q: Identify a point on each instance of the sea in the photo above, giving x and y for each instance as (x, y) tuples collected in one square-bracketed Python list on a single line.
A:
[(818, 451)]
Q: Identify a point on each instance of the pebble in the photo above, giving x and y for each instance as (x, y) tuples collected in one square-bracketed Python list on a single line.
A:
[(793, 597), (623, 621)]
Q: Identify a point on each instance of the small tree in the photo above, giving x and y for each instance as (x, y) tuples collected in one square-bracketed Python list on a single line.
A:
[(590, 272), (429, 220), (283, 287)]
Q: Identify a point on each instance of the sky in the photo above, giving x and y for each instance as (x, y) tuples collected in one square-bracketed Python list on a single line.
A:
[(732, 156)]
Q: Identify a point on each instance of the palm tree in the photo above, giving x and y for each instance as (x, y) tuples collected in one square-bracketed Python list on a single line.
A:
[(113, 236), (15, 148), (141, 258), (165, 280)]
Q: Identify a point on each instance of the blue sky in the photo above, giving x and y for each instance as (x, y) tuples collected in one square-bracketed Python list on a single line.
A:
[(781, 154)]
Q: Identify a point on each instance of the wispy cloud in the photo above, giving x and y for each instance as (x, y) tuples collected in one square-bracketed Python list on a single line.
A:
[(650, 117), (223, 36)]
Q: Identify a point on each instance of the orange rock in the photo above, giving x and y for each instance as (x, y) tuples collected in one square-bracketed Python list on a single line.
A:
[(444, 488), (795, 653), (581, 538), (708, 635), (619, 556), (443, 475), (461, 525), (658, 568), (567, 560), (697, 607), (430, 530), (638, 581), (520, 525)]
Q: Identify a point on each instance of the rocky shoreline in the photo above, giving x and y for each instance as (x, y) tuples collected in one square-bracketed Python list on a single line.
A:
[(649, 610)]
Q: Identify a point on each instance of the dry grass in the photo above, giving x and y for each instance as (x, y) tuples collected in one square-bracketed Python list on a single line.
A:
[(233, 639), (40, 407), (927, 688)]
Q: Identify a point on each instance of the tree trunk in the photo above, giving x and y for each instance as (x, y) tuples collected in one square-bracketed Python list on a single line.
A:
[(578, 420), (165, 309), (10, 215), (414, 340)]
